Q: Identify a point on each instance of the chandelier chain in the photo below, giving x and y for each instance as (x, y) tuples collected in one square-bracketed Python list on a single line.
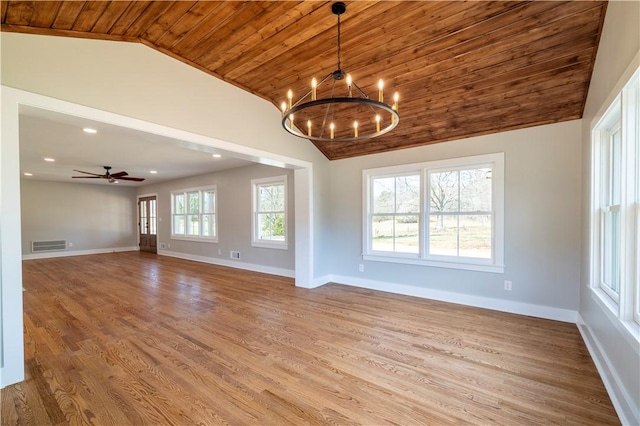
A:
[(339, 68)]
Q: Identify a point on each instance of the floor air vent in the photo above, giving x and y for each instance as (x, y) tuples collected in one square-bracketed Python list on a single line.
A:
[(38, 246)]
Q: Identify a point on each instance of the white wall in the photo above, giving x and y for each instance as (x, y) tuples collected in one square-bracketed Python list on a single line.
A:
[(616, 354), (234, 203), (542, 228), (91, 217)]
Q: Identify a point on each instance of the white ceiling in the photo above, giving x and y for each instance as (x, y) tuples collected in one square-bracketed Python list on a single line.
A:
[(51, 134)]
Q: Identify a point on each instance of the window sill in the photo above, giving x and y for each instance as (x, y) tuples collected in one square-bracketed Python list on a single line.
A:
[(195, 239), (270, 245), (496, 269)]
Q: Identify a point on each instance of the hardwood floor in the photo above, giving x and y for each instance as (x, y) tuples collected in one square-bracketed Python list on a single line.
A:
[(131, 338)]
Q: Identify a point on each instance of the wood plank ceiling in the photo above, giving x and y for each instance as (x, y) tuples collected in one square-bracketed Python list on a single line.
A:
[(462, 68)]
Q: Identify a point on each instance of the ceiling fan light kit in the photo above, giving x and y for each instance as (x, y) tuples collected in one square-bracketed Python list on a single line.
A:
[(325, 119), (110, 177)]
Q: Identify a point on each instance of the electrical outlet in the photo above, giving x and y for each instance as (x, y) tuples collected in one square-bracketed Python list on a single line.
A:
[(507, 285), (162, 245), (219, 252), (70, 244), (361, 267)]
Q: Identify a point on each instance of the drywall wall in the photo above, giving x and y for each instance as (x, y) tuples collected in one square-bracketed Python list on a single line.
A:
[(89, 217), (234, 217), (615, 350), (542, 233)]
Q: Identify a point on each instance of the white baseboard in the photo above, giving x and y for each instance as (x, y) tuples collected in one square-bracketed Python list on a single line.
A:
[(231, 263), (627, 409), (67, 253), (539, 311)]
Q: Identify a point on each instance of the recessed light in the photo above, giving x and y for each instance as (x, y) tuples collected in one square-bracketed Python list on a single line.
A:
[(153, 172), (49, 159), (216, 156), (28, 174), (89, 130)]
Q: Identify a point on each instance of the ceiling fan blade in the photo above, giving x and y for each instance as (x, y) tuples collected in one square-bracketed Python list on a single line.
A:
[(119, 175), (135, 179), (87, 177), (94, 174)]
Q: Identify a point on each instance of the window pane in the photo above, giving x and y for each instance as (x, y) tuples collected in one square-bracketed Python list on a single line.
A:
[(178, 225), (193, 225), (383, 195), (271, 226), (178, 204), (271, 198), (194, 204), (382, 233), (408, 194), (475, 236), (208, 202), (616, 163), (152, 217), (611, 253), (475, 190), (443, 196), (406, 234), (208, 225), (443, 235)]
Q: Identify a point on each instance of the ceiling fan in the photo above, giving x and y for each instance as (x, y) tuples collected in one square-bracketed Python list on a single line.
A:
[(111, 178)]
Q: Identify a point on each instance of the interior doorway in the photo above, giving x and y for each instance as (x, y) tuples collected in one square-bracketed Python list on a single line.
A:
[(147, 224)]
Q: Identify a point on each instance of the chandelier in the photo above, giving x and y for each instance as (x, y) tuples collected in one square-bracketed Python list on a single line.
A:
[(347, 115)]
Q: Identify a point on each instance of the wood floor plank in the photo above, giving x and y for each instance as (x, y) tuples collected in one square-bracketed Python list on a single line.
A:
[(135, 338)]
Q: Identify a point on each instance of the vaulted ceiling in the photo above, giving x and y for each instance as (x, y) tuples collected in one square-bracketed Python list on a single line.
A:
[(462, 68)]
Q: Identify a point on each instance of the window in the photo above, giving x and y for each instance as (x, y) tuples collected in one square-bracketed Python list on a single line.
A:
[(396, 213), (610, 205), (193, 214), (270, 212), (615, 212), (445, 213), (460, 212)]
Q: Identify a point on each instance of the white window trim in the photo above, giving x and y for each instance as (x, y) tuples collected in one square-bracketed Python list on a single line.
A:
[(255, 241), (195, 238), (625, 108), (494, 265)]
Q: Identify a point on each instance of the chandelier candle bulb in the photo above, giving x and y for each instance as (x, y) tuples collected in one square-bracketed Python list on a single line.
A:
[(349, 81), (332, 127), (290, 97), (377, 122), (355, 129), (380, 93), (314, 86), (291, 121), (396, 97), (309, 128), (283, 107)]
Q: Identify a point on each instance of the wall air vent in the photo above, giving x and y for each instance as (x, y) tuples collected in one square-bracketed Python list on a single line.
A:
[(234, 255), (39, 246)]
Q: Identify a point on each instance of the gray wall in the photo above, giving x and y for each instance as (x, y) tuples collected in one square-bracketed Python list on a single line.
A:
[(234, 216), (542, 211), (92, 217), (616, 351)]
